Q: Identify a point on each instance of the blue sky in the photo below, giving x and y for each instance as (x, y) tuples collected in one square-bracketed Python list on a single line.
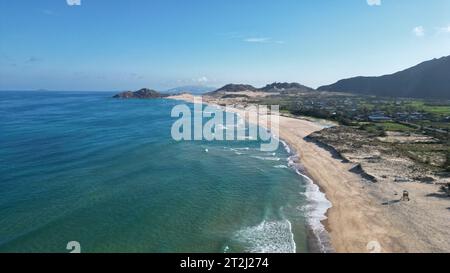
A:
[(123, 44)]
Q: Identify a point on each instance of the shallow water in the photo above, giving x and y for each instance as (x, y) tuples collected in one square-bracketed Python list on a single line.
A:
[(80, 166)]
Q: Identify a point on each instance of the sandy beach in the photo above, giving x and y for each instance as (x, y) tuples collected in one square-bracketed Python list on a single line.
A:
[(358, 221)]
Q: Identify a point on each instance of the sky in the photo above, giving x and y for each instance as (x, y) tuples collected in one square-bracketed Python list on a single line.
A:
[(115, 45)]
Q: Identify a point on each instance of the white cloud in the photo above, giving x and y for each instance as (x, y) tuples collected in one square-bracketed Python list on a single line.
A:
[(444, 29), (136, 76), (419, 31), (202, 80), (374, 2), (257, 40), (264, 40), (73, 2)]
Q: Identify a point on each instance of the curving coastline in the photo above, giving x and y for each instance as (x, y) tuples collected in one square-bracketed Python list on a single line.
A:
[(357, 220), (318, 210)]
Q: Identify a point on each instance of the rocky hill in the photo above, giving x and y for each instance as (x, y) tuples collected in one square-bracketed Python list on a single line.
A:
[(430, 79), (143, 93), (282, 87)]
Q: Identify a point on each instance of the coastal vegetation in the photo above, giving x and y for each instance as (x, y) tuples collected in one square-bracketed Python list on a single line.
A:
[(379, 116), (379, 156), (409, 138)]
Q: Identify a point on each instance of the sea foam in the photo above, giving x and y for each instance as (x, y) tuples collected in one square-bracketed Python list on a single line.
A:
[(268, 237), (269, 158), (318, 204)]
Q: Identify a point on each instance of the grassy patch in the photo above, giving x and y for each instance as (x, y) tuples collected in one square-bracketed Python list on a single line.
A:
[(431, 154), (441, 110), (395, 127), (385, 126), (438, 125)]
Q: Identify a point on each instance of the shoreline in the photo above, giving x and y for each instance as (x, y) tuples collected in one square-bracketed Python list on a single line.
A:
[(358, 220), (319, 239)]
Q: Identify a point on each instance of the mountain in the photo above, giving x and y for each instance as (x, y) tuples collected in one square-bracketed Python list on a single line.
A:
[(193, 89), (430, 79), (143, 93), (237, 88), (286, 87), (275, 87)]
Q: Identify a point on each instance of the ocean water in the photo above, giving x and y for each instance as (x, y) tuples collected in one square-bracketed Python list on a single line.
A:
[(81, 166)]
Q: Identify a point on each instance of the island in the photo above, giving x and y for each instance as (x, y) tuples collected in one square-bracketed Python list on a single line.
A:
[(143, 93)]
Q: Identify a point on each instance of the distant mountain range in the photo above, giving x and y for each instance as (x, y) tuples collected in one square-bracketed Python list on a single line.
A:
[(284, 86), (193, 89), (274, 88), (236, 88), (430, 79)]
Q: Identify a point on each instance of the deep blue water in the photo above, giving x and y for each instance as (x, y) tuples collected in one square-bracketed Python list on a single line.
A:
[(81, 166)]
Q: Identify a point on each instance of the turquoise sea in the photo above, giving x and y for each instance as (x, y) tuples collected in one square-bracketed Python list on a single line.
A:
[(81, 166)]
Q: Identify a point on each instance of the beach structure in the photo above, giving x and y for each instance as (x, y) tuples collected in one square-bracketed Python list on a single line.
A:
[(405, 196)]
